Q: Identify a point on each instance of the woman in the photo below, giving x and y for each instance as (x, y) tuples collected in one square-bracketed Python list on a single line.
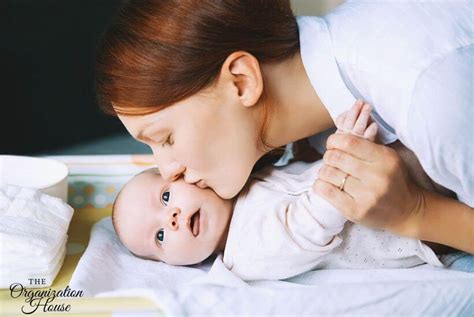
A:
[(212, 86)]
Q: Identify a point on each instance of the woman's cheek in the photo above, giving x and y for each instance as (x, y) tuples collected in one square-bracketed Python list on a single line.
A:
[(233, 184), (196, 155)]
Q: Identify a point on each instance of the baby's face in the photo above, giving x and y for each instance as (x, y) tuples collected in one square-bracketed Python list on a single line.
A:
[(173, 222)]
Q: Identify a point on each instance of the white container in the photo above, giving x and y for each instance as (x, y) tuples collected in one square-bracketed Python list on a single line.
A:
[(47, 175)]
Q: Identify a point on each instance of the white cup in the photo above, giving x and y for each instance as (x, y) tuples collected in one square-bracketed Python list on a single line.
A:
[(47, 175)]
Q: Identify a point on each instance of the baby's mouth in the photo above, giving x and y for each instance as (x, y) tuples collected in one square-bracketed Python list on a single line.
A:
[(194, 224)]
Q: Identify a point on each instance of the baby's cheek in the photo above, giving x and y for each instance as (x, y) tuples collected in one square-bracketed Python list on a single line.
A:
[(178, 248)]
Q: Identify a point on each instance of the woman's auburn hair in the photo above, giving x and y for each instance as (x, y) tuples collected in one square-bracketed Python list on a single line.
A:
[(158, 52), (155, 53)]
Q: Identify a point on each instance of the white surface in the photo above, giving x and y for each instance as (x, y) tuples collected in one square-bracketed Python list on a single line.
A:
[(413, 62), (33, 235), (108, 269), (47, 175)]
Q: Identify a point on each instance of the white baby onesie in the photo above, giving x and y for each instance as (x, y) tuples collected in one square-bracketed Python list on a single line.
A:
[(280, 228)]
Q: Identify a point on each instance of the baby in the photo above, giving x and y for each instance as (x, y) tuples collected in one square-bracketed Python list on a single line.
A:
[(276, 228)]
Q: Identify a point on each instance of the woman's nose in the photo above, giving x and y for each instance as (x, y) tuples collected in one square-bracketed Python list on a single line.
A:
[(173, 218), (171, 171)]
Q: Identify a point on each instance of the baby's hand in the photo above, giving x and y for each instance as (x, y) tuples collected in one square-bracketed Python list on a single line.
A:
[(357, 121)]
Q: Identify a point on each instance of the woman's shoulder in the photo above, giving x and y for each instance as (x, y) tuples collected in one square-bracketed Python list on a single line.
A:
[(381, 31)]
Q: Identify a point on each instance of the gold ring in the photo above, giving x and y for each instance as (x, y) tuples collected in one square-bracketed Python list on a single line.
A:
[(341, 187)]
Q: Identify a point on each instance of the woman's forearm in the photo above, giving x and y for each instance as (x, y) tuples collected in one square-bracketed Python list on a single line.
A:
[(444, 220)]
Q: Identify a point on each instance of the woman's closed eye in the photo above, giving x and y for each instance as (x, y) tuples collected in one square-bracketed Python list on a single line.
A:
[(160, 236), (168, 141)]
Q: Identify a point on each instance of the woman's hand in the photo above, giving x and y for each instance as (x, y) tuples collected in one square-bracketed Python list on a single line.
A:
[(378, 191), (371, 185)]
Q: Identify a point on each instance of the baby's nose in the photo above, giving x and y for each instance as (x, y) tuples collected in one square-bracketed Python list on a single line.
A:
[(173, 218)]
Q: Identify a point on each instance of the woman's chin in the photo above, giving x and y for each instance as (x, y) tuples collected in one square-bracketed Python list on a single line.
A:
[(227, 192), (230, 189)]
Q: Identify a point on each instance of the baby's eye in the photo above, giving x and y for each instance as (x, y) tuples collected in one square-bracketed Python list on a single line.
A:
[(160, 236), (165, 197)]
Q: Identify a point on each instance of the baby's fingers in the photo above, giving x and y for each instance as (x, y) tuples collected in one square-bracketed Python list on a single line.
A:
[(362, 120), (371, 132), (340, 121), (351, 116)]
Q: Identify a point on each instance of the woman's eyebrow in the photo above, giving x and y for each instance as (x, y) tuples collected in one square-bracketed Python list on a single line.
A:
[(141, 134), (145, 133)]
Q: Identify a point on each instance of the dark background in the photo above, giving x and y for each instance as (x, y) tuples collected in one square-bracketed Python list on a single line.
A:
[(47, 50), (47, 100)]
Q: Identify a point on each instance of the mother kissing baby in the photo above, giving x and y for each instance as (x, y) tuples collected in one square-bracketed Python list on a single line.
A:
[(214, 87), (276, 228)]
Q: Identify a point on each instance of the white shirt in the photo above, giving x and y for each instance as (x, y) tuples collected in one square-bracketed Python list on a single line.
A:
[(414, 63), (280, 228)]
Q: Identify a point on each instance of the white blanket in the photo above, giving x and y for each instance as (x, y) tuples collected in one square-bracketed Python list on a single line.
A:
[(108, 269)]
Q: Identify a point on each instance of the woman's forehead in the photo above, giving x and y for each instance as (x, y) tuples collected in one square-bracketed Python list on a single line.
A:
[(137, 124), (187, 107)]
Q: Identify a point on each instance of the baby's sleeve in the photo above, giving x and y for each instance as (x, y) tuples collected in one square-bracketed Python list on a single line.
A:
[(313, 223), (281, 237)]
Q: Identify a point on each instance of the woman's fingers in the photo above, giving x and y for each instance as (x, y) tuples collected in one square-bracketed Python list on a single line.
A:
[(345, 162), (361, 148), (337, 178), (339, 199), (378, 193)]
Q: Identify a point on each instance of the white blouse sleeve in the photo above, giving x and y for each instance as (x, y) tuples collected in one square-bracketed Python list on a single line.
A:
[(440, 128)]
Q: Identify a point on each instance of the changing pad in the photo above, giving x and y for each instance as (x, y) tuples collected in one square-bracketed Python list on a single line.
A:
[(108, 269)]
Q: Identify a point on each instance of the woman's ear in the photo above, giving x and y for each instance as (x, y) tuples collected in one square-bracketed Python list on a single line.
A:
[(244, 72)]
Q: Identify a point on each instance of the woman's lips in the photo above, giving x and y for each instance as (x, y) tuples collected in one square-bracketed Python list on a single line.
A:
[(201, 184)]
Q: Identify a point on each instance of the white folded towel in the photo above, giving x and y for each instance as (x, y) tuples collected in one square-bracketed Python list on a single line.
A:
[(22, 258), (33, 235), (28, 237), (23, 275), (31, 203)]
